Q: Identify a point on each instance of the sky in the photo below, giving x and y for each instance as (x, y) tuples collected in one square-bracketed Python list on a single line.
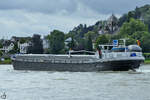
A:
[(28, 17)]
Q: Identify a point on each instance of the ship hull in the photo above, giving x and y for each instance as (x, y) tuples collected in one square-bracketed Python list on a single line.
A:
[(48, 66), (124, 65)]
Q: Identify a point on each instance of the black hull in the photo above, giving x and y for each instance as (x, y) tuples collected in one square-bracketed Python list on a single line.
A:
[(121, 65), (124, 65)]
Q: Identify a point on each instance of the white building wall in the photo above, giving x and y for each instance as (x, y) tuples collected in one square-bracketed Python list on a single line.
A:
[(45, 44), (23, 48)]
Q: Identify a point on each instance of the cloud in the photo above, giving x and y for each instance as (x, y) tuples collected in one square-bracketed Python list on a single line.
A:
[(114, 6), (70, 6), (25, 23), (42, 6), (26, 17)]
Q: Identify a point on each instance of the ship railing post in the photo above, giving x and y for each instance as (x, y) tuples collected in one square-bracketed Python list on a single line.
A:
[(69, 54)]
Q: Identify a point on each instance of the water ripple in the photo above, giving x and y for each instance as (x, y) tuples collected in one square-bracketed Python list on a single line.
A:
[(48, 85)]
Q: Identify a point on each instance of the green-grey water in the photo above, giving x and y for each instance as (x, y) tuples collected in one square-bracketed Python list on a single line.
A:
[(46, 85)]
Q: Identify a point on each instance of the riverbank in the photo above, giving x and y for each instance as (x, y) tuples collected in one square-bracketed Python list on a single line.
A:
[(8, 61), (147, 61)]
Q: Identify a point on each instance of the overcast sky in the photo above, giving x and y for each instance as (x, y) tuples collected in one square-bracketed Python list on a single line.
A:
[(26, 17)]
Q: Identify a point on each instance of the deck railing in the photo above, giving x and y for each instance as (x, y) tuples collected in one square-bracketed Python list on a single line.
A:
[(120, 55)]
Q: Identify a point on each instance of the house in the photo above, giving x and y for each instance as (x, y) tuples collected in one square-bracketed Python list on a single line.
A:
[(7, 46), (101, 31), (67, 41), (21, 39), (22, 43), (110, 26), (112, 23), (23, 47)]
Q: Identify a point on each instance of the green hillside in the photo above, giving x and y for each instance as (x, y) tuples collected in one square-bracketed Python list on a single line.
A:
[(142, 13), (135, 25)]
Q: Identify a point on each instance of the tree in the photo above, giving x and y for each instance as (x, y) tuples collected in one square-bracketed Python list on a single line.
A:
[(122, 19), (131, 27), (139, 34), (136, 36), (81, 44), (145, 42), (15, 49), (37, 46), (72, 44), (89, 45), (142, 13), (1, 53), (56, 41), (92, 34), (22, 40), (137, 13), (136, 30), (102, 39), (130, 41), (131, 14)]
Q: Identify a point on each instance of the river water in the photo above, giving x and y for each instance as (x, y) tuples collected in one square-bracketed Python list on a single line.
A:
[(46, 85)]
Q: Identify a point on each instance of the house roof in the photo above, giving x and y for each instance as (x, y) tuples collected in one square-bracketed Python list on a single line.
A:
[(112, 18), (19, 38), (6, 42), (68, 39)]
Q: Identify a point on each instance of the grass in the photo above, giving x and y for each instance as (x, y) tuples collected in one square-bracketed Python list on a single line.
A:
[(147, 61), (146, 53), (7, 61)]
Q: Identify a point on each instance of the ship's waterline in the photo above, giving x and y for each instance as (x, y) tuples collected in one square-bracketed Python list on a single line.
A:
[(48, 85)]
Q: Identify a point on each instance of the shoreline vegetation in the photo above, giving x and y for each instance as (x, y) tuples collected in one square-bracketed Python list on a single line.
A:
[(147, 58), (9, 61), (147, 61)]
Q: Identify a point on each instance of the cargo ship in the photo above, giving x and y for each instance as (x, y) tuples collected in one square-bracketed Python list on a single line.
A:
[(107, 58)]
